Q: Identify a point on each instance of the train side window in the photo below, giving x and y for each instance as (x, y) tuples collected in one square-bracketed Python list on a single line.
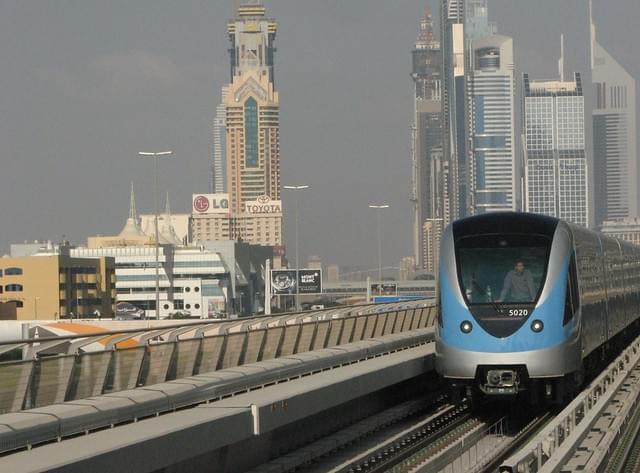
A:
[(572, 301)]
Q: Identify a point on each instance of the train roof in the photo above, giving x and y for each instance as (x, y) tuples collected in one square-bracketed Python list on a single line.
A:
[(505, 222)]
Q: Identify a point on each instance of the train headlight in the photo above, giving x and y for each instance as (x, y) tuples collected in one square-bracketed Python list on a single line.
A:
[(466, 326), (537, 326)]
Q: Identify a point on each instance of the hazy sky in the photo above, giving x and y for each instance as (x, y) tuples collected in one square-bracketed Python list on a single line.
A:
[(87, 84)]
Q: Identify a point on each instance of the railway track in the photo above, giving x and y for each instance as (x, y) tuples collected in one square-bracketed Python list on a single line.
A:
[(416, 436), (386, 435)]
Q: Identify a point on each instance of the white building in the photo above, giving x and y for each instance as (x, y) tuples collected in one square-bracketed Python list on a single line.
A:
[(191, 280)]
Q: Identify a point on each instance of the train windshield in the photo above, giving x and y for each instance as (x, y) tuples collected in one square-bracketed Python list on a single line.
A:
[(507, 269)]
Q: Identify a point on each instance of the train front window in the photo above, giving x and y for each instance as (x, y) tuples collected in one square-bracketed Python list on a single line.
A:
[(507, 269)]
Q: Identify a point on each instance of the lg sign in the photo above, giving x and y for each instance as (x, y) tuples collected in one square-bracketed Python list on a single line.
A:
[(210, 203), (201, 204)]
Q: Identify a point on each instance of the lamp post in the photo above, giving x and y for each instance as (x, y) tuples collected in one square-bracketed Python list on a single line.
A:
[(155, 200), (378, 208), (297, 188)]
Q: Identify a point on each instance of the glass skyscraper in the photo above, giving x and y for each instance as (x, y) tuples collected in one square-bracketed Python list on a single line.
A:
[(555, 160), (492, 117), (462, 21)]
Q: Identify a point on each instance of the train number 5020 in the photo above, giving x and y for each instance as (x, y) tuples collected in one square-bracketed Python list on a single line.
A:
[(518, 312)]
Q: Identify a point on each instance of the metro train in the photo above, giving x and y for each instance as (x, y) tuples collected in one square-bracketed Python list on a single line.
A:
[(530, 305)]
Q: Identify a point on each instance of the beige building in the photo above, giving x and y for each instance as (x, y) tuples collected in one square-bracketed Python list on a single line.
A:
[(432, 234), (259, 223), (252, 144), (55, 286)]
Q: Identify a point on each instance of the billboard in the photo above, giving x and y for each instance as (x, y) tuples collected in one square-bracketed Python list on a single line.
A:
[(309, 281), (284, 281), (210, 203), (263, 205)]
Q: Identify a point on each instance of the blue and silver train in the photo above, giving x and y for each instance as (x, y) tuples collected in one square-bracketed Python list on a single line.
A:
[(532, 304)]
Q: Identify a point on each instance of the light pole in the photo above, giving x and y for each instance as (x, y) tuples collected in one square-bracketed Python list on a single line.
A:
[(155, 200), (378, 208), (297, 188)]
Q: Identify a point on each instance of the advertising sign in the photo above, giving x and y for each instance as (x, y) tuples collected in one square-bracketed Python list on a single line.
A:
[(210, 203), (263, 205), (309, 281), (283, 281), (382, 289)]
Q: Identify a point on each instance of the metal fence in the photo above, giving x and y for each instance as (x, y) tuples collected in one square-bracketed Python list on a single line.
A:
[(46, 380)]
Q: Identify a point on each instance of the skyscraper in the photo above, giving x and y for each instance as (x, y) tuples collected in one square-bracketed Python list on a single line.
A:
[(462, 21), (252, 108), (555, 161), (615, 162), (427, 186), (492, 125)]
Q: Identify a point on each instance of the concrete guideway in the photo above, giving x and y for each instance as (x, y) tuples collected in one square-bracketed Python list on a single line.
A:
[(598, 413), (159, 442)]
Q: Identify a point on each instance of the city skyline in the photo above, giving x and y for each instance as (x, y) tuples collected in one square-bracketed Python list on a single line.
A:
[(63, 157)]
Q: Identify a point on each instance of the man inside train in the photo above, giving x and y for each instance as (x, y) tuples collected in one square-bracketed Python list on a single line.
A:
[(518, 285)]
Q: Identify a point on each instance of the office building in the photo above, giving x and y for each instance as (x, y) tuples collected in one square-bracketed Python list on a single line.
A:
[(58, 286), (615, 162), (555, 160), (493, 183), (462, 21), (428, 191)]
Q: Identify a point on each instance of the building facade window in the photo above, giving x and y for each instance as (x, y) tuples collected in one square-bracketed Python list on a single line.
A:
[(13, 272), (251, 133), (13, 288)]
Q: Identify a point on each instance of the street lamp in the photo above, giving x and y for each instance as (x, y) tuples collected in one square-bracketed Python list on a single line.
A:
[(297, 188), (379, 207), (155, 199)]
